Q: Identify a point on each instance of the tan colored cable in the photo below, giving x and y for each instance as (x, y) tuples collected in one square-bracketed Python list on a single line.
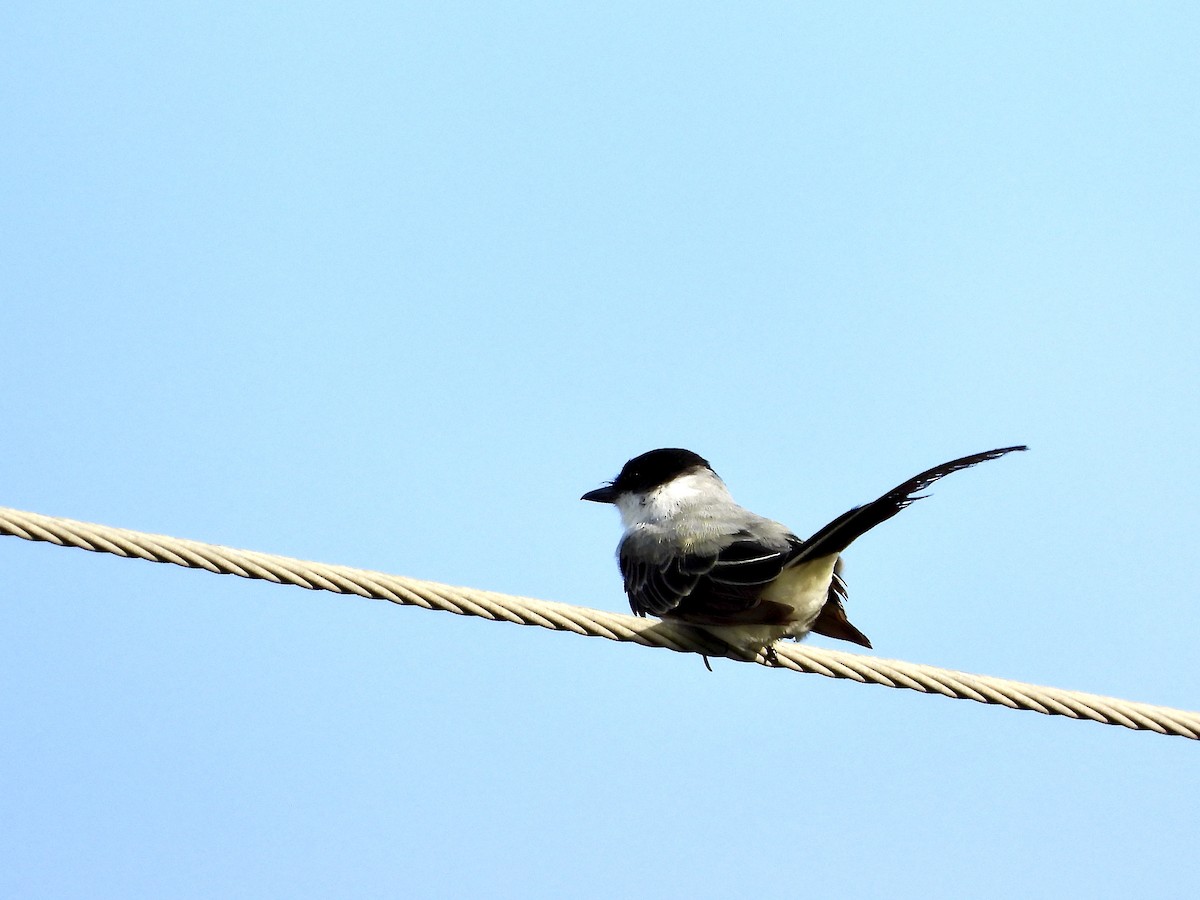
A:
[(594, 623)]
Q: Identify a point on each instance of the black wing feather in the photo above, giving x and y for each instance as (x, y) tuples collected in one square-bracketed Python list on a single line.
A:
[(726, 579), (849, 526)]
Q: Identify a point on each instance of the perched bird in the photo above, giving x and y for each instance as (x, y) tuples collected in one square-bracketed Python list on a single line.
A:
[(691, 554)]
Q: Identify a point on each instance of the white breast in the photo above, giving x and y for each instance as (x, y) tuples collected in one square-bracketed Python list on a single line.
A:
[(664, 503)]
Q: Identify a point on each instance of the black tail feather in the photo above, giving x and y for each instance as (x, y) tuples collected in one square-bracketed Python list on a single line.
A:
[(848, 527)]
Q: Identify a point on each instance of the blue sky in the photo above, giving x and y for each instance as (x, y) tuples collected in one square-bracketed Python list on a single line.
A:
[(391, 285)]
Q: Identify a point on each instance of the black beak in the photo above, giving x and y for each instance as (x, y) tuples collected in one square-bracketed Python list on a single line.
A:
[(604, 494)]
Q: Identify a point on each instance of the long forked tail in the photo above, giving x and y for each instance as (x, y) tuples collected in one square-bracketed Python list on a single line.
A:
[(849, 526)]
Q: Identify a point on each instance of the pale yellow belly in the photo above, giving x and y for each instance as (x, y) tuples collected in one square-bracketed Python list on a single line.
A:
[(803, 588)]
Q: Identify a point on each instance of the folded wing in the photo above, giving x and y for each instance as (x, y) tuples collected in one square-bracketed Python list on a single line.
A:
[(708, 586)]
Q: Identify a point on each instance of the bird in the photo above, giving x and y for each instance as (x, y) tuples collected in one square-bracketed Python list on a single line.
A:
[(689, 553)]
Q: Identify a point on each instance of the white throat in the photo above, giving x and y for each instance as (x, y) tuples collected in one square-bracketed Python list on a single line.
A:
[(665, 502)]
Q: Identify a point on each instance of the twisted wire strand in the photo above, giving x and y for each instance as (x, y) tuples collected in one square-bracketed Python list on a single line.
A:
[(594, 623)]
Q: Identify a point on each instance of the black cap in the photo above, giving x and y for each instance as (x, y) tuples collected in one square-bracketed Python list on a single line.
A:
[(648, 471)]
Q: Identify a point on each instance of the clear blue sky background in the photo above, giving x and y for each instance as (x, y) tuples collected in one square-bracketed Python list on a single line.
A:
[(391, 285)]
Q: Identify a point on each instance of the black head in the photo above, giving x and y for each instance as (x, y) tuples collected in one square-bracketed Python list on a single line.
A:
[(648, 471)]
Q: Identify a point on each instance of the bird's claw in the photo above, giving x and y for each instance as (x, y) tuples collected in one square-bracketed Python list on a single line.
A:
[(770, 657)]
